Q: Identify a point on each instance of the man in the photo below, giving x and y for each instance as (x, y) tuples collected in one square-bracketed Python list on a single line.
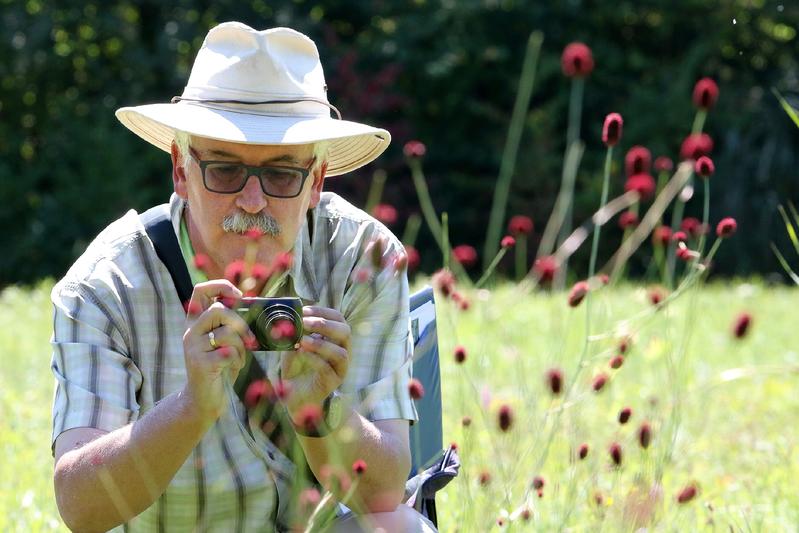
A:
[(147, 434)]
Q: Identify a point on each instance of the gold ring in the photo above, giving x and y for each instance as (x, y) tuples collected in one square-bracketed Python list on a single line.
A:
[(212, 340)]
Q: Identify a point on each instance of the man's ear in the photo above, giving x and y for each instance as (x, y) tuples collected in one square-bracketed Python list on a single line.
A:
[(178, 173), (318, 182)]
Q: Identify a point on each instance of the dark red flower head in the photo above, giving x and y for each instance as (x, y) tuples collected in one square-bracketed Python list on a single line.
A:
[(685, 254), (741, 325), (508, 242), (254, 234), (615, 453), (616, 362), (282, 389), (577, 293), (385, 213), (644, 184), (359, 467), (704, 167), (638, 160), (679, 236), (520, 225), (695, 146), (283, 262), (234, 272), (645, 435), (538, 482), (460, 354), (484, 478), (661, 235), (687, 494), (628, 219), (706, 92), (465, 255), (664, 164), (624, 344), (257, 391), (505, 417), (413, 257), (625, 414), (444, 282), (599, 381), (309, 417), (611, 129), (415, 389), (582, 451), (466, 421), (691, 225), (545, 268), (577, 60), (726, 228), (414, 149), (201, 262), (655, 296), (554, 379)]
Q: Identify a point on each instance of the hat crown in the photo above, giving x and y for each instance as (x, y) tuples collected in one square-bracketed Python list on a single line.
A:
[(237, 62)]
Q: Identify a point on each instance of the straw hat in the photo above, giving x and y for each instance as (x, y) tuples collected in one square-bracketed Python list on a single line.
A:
[(258, 87)]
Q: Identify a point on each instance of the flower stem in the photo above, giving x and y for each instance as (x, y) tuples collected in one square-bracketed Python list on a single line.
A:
[(428, 211), (490, 270), (521, 256), (602, 202)]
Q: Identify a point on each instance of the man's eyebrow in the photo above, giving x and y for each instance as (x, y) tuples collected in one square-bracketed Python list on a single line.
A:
[(285, 158)]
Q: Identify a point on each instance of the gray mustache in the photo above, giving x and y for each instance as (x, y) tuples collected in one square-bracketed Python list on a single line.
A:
[(241, 222)]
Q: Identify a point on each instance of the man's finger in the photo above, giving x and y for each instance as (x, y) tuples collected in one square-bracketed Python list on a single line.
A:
[(323, 312), (338, 332), (331, 353), (205, 294), (218, 315)]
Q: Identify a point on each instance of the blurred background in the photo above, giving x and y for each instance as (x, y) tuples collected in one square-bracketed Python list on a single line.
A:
[(444, 72)]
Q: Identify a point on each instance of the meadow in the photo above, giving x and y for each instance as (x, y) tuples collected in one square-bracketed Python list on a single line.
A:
[(722, 410)]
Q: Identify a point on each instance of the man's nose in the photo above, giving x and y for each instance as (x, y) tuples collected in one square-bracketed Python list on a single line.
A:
[(251, 198)]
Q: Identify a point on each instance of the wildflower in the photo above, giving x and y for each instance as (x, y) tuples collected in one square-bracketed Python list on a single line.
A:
[(687, 494), (331, 476), (415, 389), (283, 262), (616, 362), (684, 254), (741, 326), (361, 275), (577, 61), (582, 451), (309, 417), (545, 268), (661, 235), (192, 308), (465, 255), (615, 453), (638, 160), (726, 228), (520, 225), (628, 219), (359, 467), (251, 342), (624, 344), (505, 417), (508, 242), (538, 482), (695, 146), (706, 92), (385, 213), (460, 354), (466, 421), (444, 282), (655, 296), (611, 129), (577, 293), (645, 435), (643, 184), (282, 329), (257, 391), (624, 415), (308, 499), (526, 514), (603, 278), (254, 234), (414, 149), (664, 164), (282, 389), (599, 381), (413, 257), (453, 445), (598, 498), (679, 236), (201, 262), (234, 272), (399, 262), (555, 380), (501, 521), (704, 167), (484, 478)]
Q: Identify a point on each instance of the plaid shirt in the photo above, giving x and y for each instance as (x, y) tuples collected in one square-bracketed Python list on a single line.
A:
[(117, 350)]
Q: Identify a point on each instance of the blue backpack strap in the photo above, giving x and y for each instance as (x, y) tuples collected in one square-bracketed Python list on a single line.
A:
[(158, 225)]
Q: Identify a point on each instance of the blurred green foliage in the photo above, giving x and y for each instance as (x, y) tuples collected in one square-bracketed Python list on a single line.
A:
[(442, 71)]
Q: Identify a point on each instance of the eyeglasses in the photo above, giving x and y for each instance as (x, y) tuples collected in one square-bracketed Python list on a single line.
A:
[(227, 177)]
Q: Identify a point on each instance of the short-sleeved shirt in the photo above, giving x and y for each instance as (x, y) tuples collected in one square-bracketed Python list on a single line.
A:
[(117, 350)]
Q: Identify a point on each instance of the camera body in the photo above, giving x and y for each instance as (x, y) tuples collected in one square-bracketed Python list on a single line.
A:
[(276, 322)]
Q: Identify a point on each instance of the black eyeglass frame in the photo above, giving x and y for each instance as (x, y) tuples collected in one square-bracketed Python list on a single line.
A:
[(252, 170)]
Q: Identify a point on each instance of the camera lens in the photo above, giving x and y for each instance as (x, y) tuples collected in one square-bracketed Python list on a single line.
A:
[(278, 327)]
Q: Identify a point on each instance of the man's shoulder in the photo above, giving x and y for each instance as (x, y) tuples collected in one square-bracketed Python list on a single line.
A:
[(334, 207)]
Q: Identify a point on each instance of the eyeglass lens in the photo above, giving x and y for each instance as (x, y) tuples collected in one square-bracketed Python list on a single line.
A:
[(275, 181)]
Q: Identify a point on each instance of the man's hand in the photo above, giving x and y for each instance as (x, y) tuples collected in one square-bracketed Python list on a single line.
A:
[(321, 361), (213, 342)]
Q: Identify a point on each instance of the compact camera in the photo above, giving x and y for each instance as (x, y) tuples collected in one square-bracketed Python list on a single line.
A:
[(276, 322)]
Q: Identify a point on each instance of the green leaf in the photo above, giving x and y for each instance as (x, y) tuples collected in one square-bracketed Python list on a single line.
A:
[(789, 228), (785, 265), (786, 106)]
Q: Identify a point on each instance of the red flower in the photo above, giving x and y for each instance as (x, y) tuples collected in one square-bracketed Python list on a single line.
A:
[(414, 149), (465, 255), (691, 226), (687, 494), (309, 417), (684, 254), (679, 236), (466, 421), (704, 167), (628, 219), (415, 389), (520, 225), (599, 381), (387, 214), (484, 478), (361, 275), (359, 467), (282, 389), (603, 278), (413, 257), (460, 354), (444, 282), (254, 234), (706, 92), (192, 308), (662, 235), (583, 451), (616, 362), (624, 415), (655, 296), (257, 391), (283, 262), (695, 146), (545, 268), (234, 272), (615, 453), (505, 417), (555, 380), (201, 262), (726, 228), (577, 61), (644, 184), (624, 344), (664, 164), (577, 293), (538, 482), (611, 129), (741, 325), (645, 435), (638, 160), (283, 329), (508, 242)]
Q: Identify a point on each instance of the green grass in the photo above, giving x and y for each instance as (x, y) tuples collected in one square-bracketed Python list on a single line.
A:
[(737, 403)]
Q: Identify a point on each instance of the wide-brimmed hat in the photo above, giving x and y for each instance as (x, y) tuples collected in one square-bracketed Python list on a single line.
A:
[(258, 87)]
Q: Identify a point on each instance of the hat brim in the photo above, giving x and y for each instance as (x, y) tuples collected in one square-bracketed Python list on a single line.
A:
[(352, 144)]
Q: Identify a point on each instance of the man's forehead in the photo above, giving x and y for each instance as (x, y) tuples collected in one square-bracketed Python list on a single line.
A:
[(259, 152)]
